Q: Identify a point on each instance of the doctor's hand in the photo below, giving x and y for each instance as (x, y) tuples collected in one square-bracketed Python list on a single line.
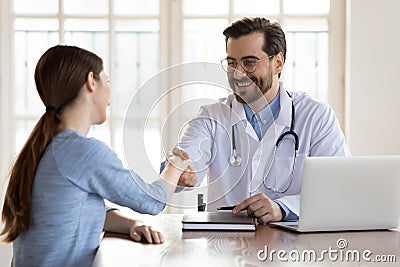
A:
[(262, 207), (188, 177)]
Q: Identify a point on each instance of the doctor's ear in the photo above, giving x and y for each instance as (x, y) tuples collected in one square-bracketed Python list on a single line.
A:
[(279, 62)]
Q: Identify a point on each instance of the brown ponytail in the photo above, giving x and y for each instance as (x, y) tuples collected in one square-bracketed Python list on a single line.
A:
[(59, 75), (17, 203)]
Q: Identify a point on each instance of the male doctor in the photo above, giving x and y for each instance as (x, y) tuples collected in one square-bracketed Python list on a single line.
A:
[(252, 144)]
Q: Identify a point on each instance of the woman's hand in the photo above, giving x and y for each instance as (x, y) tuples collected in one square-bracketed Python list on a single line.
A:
[(178, 169), (178, 158), (140, 232), (117, 222)]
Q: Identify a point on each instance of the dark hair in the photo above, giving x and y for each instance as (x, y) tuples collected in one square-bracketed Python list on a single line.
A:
[(59, 76), (274, 37)]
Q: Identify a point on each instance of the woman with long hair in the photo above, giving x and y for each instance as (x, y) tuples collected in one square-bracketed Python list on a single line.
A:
[(54, 211)]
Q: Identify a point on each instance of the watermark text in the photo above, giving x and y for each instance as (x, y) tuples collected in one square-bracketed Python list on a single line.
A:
[(339, 253)]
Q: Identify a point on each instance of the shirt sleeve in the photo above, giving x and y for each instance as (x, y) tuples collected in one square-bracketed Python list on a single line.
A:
[(292, 203), (289, 215), (95, 168)]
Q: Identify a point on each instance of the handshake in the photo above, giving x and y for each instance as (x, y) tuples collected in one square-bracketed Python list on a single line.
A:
[(179, 159)]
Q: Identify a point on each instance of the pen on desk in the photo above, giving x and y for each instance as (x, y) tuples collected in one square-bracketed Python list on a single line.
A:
[(226, 208)]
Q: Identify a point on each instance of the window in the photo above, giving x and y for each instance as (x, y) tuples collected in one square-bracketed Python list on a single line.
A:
[(125, 36)]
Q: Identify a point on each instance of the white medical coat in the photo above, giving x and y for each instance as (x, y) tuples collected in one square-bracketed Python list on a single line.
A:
[(207, 139)]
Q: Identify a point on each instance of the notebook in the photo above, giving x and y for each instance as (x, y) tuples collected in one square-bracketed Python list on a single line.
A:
[(348, 193), (218, 221)]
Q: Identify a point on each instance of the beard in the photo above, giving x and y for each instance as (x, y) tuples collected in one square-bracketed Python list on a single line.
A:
[(254, 91)]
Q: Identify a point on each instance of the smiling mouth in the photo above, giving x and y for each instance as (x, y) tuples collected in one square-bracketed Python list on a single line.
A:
[(243, 84)]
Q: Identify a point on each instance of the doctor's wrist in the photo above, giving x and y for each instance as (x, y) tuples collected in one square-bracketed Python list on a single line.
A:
[(283, 212)]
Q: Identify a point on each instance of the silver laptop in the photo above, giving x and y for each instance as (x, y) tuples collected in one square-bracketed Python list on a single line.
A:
[(349, 193)]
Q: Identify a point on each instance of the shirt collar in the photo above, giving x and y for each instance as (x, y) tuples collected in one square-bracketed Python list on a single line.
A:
[(265, 113)]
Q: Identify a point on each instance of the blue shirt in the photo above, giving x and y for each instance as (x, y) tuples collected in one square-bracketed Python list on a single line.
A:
[(262, 120), (73, 178)]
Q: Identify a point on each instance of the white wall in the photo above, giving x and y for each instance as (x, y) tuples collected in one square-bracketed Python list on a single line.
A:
[(373, 77), (337, 32)]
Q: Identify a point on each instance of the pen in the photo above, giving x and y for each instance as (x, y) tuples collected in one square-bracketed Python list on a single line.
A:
[(226, 208)]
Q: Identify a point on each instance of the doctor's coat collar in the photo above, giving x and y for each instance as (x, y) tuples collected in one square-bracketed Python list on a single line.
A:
[(285, 115)]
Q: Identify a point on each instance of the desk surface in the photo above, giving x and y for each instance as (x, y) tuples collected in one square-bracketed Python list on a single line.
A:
[(208, 248)]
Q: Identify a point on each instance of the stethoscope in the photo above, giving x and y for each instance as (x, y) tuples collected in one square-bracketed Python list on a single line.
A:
[(235, 159)]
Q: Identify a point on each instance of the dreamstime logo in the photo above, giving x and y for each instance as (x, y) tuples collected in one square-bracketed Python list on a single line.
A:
[(341, 243), (340, 254)]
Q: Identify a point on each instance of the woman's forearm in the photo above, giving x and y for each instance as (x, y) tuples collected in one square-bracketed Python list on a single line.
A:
[(118, 223)]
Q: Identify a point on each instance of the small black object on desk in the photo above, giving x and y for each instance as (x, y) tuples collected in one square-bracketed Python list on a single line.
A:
[(201, 206)]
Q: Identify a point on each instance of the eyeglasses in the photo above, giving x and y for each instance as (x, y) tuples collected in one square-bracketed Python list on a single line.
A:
[(249, 64)]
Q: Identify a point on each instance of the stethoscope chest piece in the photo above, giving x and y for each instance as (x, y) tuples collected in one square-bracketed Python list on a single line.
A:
[(235, 160)]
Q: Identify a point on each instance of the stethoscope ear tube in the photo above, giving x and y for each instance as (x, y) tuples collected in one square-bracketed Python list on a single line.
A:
[(290, 132)]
